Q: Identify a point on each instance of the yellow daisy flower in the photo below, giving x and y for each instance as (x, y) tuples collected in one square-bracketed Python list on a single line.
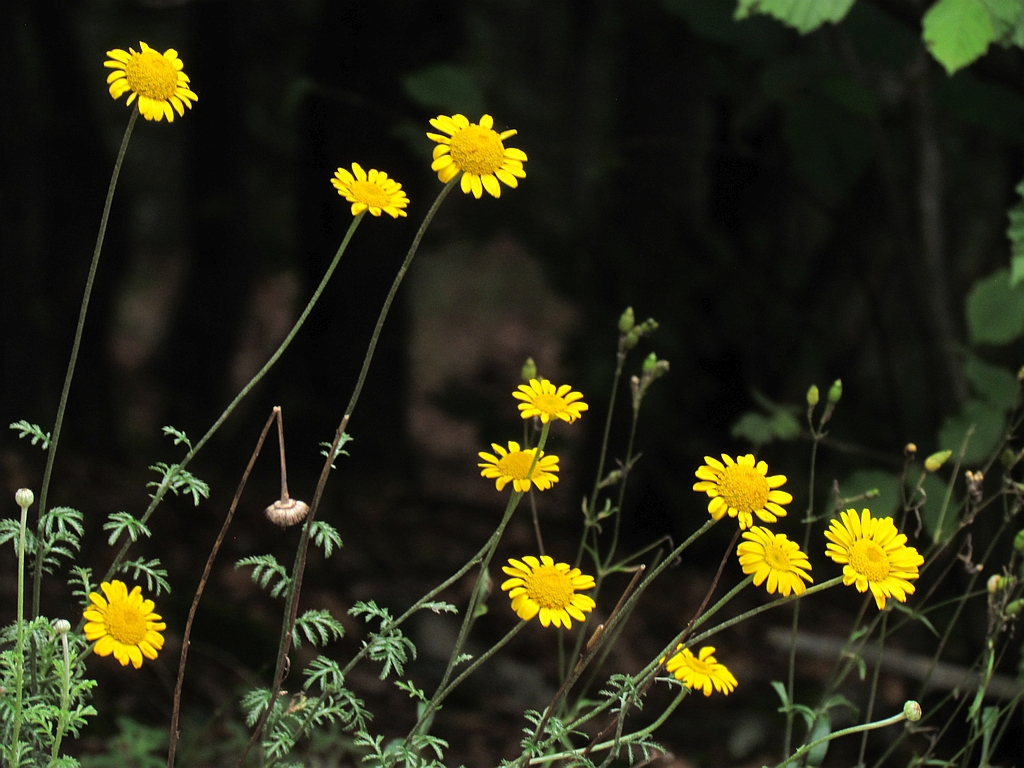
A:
[(123, 624), (155, 79), (874, 555), (742, 489), (372, 191), (774, 557), (540, 398), (547, 588), (702, 672), (477, 152), (514, 465)]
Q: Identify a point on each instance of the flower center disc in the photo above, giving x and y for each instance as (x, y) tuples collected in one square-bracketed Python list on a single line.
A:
[(776, 558), (151, 75), (548, 403), (549, 587), (125, 623), (477, 150), (743, 488), (371, 194), (516, 465), (868, 559)]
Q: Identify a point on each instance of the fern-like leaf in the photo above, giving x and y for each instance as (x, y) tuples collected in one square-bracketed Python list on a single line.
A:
[(33, 431), (326, 537), (156, 577), (318, 626), (122, 522), (267, 572)]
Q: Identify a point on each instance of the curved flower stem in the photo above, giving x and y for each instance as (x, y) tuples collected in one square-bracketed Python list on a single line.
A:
[(162, 490), (176, 709), (295, 587), (477, 662), (792, 759), (816, 435), (767, 607), (19, 650), (51, 453), (443, 689)]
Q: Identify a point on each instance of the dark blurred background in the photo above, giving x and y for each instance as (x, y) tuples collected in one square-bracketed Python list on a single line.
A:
[(790, 209)]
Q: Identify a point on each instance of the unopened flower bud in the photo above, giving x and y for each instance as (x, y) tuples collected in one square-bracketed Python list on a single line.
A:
[(649, 362), (813, 395), (994, 583), (1014, 607), (529, 370), (631, 339), (626, 321), (909, 449), (62, 626), (912, 711), (1018, 541), (936, 460), (835, 392), (24, 498), (1007, 458), (650, 325)]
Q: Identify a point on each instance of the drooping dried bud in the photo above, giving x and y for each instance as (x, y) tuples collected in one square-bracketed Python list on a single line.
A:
[(287, 512)]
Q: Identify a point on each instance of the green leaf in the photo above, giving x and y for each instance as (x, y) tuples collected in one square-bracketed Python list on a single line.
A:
[(995, 310), (996, 385), (803, 15), (988, 422), (445, 86), (1007, 17), (957, 32)]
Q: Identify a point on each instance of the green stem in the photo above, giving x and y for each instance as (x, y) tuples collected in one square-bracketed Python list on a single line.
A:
[(635, 736), (478, 661), (162, 490), (19, 652), (843, 732), (65, 696), (766, 607), (391, 294), (292, 596), (51, 453)]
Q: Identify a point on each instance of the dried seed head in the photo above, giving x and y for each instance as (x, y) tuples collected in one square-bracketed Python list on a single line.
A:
[(287, 512)]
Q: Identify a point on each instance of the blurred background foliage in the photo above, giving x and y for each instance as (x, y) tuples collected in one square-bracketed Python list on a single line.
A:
[(792, 208)]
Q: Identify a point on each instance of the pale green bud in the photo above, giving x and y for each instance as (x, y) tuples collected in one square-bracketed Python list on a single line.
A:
[(529, 370), (835, 392), (936, 460), (1014, 607), (649, 363), (813, 396), (1018, 541), (631, 339), (912, 711), (24, 498), (62, 626), (626, 321)]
